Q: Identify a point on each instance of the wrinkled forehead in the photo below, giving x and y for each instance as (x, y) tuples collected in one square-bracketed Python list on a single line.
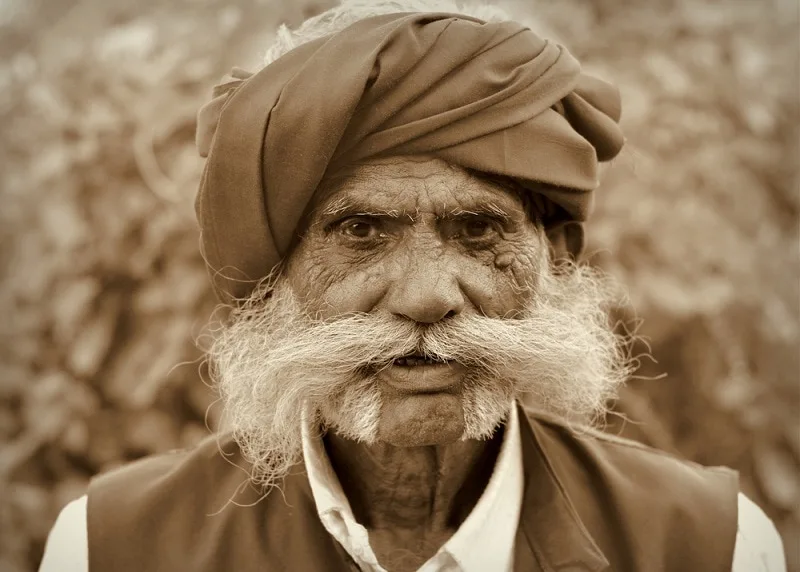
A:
[(416, 185)]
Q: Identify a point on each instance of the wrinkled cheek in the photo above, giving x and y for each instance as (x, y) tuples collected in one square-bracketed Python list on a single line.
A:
[(522, 275), (499, 289), (329, 284), (353, 291)]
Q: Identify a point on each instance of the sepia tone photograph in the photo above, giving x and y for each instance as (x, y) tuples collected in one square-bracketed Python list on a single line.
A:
[(400, 285)]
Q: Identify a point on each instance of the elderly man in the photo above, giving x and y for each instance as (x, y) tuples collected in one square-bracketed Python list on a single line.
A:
[(393, 208)]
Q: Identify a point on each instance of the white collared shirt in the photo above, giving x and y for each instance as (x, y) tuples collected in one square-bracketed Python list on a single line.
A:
[(484, 541)]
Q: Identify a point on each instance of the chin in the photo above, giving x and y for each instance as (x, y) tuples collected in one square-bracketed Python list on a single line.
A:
[(421, 420)]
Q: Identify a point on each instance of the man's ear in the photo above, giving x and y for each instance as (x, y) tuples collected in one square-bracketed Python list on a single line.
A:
[(566, 240)]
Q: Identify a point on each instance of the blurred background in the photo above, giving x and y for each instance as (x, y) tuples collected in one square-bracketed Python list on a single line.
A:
[(104, 292)]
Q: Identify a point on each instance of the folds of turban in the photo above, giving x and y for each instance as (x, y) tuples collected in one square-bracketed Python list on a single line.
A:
[(492, 97)]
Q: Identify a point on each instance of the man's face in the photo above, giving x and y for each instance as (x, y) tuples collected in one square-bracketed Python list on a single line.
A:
[(419, 303), (416, 240)]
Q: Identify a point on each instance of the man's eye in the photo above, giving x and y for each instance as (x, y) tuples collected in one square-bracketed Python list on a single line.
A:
[(477, 228), (359, 228)]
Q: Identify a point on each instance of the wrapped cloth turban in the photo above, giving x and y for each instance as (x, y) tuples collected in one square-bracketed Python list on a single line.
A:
[(490, 97)]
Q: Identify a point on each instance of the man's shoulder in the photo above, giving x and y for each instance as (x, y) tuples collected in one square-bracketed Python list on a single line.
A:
[(208, 459), (620, 488), (597, 446), (166, 512), (201, 479), (212, 448)]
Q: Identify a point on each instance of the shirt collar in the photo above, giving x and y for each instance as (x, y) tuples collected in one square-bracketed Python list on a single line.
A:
[(484, 541)]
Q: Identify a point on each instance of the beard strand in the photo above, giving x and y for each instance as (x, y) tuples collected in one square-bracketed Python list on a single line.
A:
[(274, 363)]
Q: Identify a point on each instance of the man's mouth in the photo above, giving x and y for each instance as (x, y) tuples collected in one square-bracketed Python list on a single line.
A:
[(421, 374), (414, 360)]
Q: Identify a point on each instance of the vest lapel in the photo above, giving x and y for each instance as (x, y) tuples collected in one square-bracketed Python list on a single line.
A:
[(524, 558), (301, 540), (551, 536)]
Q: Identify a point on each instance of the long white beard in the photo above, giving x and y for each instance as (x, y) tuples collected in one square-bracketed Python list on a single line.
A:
[(273, 361)]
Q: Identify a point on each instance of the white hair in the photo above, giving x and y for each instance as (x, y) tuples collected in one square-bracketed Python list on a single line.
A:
[(349, 12)]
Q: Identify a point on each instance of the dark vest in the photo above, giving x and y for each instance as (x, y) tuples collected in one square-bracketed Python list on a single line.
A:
[(591, 502)]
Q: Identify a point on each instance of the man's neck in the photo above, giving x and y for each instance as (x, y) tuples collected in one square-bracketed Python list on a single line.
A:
[(430, 488)]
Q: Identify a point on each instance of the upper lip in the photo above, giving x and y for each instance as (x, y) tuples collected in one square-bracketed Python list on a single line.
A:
[(417, 359)]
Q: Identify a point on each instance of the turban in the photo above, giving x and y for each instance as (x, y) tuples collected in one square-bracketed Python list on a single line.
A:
[(490, 97)]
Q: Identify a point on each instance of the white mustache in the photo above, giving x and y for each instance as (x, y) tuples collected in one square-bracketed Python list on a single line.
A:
[(372, 342)]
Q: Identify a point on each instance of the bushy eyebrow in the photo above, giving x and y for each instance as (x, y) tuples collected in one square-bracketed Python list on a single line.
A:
[(347, 206), (487, 209)]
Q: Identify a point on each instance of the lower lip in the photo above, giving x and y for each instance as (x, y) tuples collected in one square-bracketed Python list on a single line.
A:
[(425, 378)]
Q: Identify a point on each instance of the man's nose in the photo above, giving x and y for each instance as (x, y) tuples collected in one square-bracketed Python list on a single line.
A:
[(425, 291)]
